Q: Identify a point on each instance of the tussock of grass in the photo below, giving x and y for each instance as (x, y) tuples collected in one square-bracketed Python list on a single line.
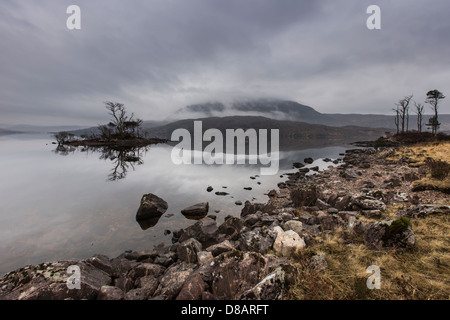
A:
[(421, 273)]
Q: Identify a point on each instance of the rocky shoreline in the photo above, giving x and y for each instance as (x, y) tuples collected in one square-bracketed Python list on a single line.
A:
[(253, 256)]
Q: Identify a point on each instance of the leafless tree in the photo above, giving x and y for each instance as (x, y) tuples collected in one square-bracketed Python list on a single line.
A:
[(397, 119), (419, 112), (119, 114), (403, 106)]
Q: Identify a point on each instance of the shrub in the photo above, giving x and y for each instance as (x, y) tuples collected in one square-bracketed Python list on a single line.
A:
[(305, 195), (439, 169)]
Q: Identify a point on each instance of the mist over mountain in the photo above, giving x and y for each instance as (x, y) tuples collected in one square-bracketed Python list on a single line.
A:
[(294, 111)]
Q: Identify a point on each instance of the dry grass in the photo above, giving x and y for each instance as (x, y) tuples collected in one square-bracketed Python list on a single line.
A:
[(422, 273), (418, 155)]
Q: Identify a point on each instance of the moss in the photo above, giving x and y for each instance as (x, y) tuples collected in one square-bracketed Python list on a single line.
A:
[(397, 226)]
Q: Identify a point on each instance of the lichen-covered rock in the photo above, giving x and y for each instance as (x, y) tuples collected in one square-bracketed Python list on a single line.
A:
[(48, 281), (367, 203), (173, 280), (205, 231), (257, 240), (423, 210), (110, 293)]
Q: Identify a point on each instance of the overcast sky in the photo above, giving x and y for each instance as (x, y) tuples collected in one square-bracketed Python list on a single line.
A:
[(157, 56)]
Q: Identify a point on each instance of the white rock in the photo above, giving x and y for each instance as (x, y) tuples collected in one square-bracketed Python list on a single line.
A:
[(294, 225), (288, 242)]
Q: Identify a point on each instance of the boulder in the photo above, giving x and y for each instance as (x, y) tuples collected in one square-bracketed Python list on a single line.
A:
[(423, 210), (152, 207), (204, 230), (367, 203), (187, 250), (196, 211), (232, 273), (308, 160), (389, 234), (204, 257), (288, 242), (110, 293), (173, 280), (231, 228), (273, 287), (294, 225), (192, 289), (258, 240), (48, 281), (219, 248)]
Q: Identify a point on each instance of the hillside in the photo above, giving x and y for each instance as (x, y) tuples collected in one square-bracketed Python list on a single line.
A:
[(292, 133)]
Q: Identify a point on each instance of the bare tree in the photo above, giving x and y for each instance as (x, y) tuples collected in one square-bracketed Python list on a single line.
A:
[(432, 99), (402, 107), (419, 111), (125, 125), (119, 114), (397, 119), (63, 137)]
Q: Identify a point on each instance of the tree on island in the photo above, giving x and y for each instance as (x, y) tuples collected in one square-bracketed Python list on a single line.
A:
[(433, 97), (121, 126)]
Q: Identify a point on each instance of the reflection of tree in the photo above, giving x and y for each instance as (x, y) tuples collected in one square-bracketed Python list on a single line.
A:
[(64, 150), (122, 158)]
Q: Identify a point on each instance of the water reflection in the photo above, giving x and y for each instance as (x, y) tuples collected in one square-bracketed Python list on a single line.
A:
[(122, 159)]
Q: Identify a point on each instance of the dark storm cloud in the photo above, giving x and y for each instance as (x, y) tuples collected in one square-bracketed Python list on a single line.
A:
[(158, 56)]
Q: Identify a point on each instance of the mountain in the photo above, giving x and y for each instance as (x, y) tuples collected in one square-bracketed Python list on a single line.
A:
[(291, 110), (25, 128), (4, 132), (291, 133), (270, 108)]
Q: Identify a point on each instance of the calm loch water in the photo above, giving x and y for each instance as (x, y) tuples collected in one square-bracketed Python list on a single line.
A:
[(71, 204)]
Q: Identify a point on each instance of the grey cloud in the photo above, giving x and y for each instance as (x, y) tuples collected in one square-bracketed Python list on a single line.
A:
[(157, 56)]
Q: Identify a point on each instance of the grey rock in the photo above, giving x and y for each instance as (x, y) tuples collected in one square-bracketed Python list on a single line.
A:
[(258, 240)]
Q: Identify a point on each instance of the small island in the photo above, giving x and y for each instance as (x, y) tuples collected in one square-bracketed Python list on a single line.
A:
[(123, 131)]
